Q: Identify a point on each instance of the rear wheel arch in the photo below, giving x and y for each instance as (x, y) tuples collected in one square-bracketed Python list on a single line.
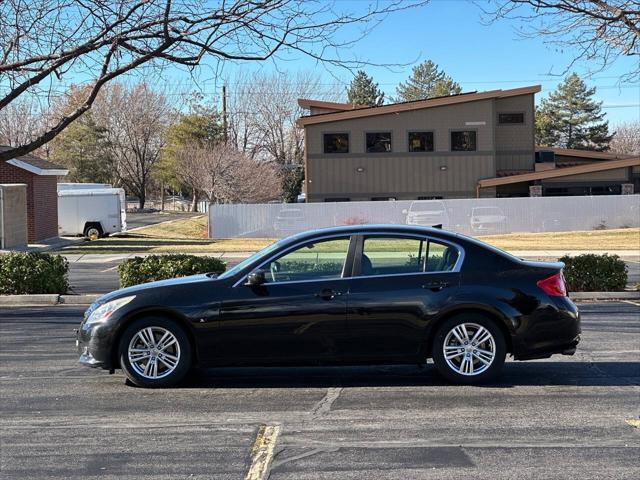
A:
[(93, 225), (166, 314), (494, 317)]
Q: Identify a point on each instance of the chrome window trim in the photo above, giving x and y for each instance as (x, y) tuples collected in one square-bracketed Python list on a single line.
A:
[(456, 268)]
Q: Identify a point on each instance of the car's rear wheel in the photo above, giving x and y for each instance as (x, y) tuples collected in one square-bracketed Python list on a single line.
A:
[(469, 349), (155, 352)]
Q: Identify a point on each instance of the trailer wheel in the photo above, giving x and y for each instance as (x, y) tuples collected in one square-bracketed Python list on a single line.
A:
[(93, 230)]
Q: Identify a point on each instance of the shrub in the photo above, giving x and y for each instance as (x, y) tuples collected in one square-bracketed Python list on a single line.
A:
[(33, 273), (161, 267), (594, 273)]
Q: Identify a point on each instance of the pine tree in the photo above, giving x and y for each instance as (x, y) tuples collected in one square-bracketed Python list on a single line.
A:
[(426, 81), (364, 91), (571, 118)]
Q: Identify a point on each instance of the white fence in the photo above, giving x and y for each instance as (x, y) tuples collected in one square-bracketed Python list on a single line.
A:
[(469, 216)]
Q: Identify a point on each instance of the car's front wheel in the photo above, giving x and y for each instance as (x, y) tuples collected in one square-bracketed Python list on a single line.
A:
[(469, 349), (155, 352)]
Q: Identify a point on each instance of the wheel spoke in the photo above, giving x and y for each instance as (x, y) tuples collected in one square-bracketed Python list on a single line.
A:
[(479, 332), (454, 355), (150, 357), (162, 347), (458, 334), (169, 363), (484, 337)]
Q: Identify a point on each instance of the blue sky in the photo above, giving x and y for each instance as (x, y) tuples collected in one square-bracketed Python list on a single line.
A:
[(478, 56)]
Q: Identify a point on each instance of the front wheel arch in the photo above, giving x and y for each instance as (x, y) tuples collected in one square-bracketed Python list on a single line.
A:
[(489, 315), (167, 314)]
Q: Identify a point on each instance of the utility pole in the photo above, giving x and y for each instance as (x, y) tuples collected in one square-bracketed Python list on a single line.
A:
[(224, 113)]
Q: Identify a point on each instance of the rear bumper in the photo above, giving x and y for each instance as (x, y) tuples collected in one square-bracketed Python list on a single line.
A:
[(552, 329)]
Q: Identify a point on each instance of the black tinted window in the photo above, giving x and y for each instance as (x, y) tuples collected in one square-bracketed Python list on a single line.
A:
[(463, 141), (378, 142), (441, 257), (336, 143), (507, 118), (421, 141)]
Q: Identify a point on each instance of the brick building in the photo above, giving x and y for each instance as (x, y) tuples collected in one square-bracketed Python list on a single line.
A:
[(41, 178)]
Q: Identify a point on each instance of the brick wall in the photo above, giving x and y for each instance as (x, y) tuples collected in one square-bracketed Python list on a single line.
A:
[(42, 200)]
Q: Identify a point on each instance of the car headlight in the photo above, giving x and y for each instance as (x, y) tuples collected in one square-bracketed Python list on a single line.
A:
[(104, 311)]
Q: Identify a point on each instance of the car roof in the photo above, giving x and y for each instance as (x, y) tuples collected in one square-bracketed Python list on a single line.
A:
[(368, 228)]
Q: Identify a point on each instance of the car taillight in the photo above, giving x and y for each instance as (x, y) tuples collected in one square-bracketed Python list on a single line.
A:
[(553, 285)]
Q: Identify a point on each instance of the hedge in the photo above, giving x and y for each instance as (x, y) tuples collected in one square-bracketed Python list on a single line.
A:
[(33, 273), (161, 267), (594, 273)]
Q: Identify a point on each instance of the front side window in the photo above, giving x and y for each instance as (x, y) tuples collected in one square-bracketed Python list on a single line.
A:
[(421, 141), (378, 142), (392, 255), (322, 260), (336, 143), (441, 257), (463, 141)]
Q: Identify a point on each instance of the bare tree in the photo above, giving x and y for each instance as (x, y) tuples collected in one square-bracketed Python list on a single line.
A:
[(223, 174), (598, 30), (263, 109), (135, 119), (22, 121), (627, 138), (44, 43)]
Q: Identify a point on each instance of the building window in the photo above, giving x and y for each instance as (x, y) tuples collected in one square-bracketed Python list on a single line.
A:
[(383, 199), (338, 199), (378, 142), (435, 197), (336, 143), (463, 141), (421, 141), (510, 118)]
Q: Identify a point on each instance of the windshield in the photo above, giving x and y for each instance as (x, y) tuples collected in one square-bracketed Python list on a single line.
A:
[(251, 259)]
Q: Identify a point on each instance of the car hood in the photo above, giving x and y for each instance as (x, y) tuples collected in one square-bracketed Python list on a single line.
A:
[(136, 289)]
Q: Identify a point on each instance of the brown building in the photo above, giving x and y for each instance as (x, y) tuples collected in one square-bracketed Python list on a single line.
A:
[(41, 178), (457, 146)]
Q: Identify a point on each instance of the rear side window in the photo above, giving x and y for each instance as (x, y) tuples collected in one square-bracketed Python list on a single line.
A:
[(389, 256), (441, 257)]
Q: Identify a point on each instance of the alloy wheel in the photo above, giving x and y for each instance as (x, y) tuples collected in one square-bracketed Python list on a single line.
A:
[(154, 352), (469, 349)]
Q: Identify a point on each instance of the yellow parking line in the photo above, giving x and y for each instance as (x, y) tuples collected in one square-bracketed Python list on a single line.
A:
[(262, 452)]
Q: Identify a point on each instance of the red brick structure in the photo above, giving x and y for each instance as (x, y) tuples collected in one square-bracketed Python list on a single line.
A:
[(41, 177)]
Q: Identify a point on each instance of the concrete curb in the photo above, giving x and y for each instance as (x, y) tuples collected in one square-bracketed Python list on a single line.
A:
[(18, 300), (605, 295), (86, 299)]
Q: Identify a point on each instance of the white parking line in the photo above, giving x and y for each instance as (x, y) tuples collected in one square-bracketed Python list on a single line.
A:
[(262, 452), (631, 302), (109, 269)]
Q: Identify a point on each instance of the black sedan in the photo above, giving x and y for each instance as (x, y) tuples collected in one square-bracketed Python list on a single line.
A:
[(348, 295)]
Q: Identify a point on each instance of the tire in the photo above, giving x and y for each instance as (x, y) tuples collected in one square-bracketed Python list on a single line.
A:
[(143, 360), (479, 366), (93, 229)]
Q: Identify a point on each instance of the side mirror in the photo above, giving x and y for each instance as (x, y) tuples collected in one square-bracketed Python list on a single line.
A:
[(255, 278)]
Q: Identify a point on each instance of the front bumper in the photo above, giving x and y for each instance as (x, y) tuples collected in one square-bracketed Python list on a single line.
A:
[(92, 346)]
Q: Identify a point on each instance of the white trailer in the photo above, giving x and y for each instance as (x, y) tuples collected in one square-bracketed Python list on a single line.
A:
[(92, 212)]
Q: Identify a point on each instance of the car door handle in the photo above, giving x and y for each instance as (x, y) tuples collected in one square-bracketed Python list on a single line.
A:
[(435, 286), (328, 294)]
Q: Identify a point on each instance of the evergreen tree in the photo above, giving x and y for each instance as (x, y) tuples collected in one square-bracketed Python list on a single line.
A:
[(200, 127), (364, 91), (571, 118), (84, 149), (426, 81)]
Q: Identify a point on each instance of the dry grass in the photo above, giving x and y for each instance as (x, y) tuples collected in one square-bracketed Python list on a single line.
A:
[(189, 236), (616, 239)]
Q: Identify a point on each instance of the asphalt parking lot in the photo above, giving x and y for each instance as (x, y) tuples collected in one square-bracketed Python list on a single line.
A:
[(564, 417)]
